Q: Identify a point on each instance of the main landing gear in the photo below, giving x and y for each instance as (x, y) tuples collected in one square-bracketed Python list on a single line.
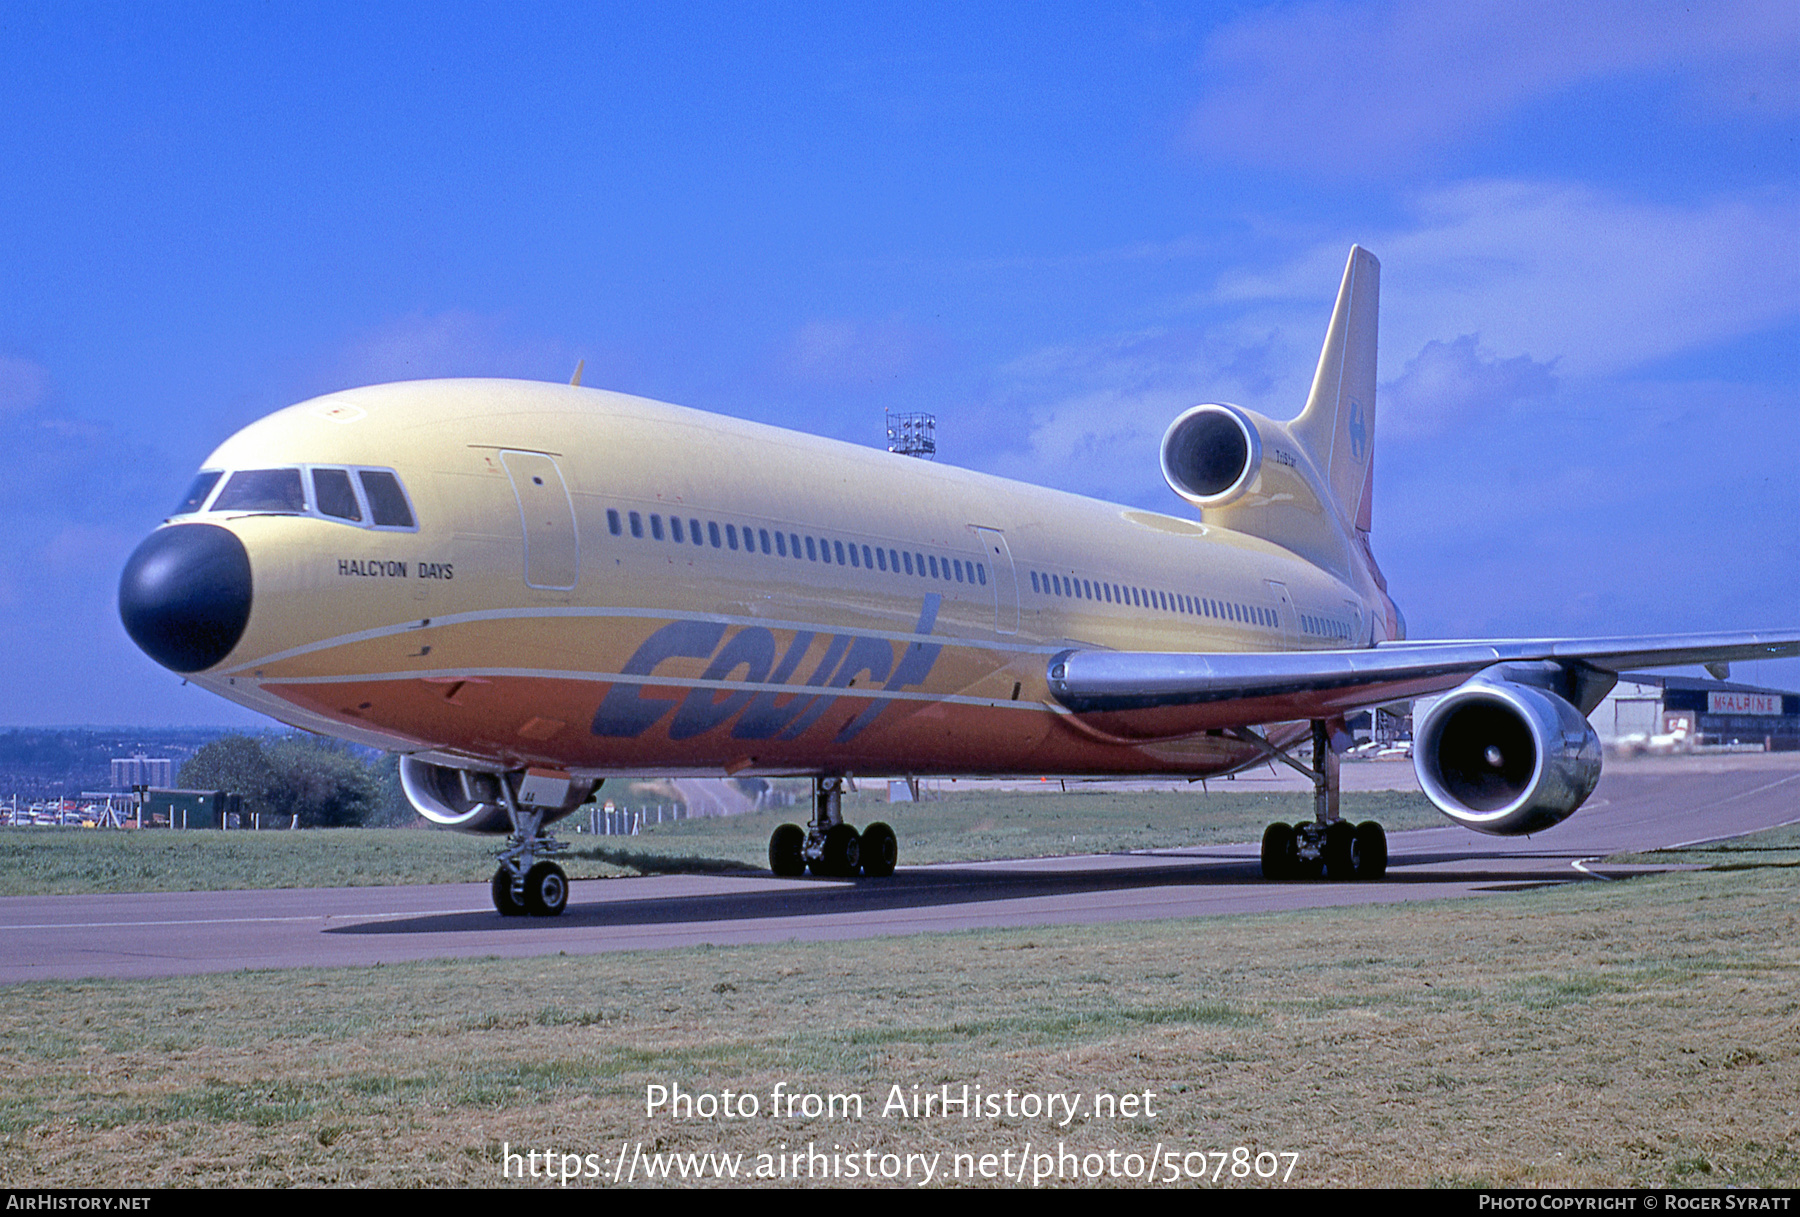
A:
[(527, 881), (828, 846), (1329, 847)]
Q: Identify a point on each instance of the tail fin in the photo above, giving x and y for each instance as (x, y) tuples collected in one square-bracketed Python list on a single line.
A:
[(1211, 454), (1337, 428)]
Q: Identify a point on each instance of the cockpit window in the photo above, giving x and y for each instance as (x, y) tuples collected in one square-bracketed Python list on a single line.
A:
[(365, 498), (387, 502), (334, 495), (197, 493), (262, 490)]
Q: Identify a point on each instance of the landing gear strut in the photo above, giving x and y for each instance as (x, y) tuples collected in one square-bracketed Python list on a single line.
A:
[(828, 846), (1329, 845), (527, 881)]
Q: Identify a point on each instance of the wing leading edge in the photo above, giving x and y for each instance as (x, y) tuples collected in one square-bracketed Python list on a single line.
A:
[(1159, 694)]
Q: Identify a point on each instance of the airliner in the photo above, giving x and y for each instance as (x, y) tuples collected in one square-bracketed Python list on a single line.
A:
[(526, 588)]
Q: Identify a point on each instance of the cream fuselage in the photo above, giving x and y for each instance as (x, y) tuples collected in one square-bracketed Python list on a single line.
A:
[(543, 612)]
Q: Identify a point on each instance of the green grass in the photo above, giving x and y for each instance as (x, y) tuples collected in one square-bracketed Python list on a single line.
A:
[(983, 825), (1602, 1034), (60, 861), (961, 827), (1775, 847), (1617, 1034)]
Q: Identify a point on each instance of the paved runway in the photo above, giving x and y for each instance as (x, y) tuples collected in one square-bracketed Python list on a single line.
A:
[(1639, 805)]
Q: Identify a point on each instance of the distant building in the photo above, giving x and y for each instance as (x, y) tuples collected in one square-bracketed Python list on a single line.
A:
[(142, 770), (1701, 712), (193, 809), (1383, 725)]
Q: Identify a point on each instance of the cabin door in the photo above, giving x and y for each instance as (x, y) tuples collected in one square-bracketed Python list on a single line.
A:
[(1290, 616), (1006, 584), (552, 547)]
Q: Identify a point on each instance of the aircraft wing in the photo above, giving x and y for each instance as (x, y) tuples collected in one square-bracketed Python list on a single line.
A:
[(1163, 694)]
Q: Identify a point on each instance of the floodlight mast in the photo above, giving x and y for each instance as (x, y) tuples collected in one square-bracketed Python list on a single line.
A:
[(912, 434)]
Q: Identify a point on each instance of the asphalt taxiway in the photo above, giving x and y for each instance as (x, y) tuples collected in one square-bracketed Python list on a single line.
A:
[(1638, 806)]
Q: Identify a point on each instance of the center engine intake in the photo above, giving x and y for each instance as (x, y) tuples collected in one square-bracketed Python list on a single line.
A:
[(1211, 454), (1505, 758), (470, 799)]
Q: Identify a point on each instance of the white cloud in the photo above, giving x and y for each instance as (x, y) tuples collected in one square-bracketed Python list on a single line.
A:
[(1361, 89), (1501, 300), (23, 384), (1569, 274), (455, 342), (65, 468), (1089, 417), (1585, 521), (1451, 383), (842, 352), (78, 550)]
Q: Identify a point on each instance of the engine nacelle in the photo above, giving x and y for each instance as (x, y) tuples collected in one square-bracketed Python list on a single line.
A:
[(1211, 454), (470, 799), (1505, 758)]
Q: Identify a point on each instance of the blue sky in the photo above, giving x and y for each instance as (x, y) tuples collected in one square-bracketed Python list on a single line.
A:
[(1053, 226)]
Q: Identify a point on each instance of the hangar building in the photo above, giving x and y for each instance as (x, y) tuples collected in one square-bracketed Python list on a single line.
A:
[(1704, 712)]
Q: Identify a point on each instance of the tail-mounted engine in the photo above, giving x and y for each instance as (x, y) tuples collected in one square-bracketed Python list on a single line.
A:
[(471, 800), (1505, 758), (1212, 454), (1249, 474)]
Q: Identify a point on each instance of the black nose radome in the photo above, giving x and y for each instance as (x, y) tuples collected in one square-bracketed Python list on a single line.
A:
[(185, 595)]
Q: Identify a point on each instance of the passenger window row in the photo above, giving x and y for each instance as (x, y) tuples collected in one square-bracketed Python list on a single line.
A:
[(368, 498), (1324, 627), (1072, 587), (690, 530)]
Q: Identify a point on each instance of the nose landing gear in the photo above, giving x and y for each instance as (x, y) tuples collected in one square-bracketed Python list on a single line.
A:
[(528, 883)]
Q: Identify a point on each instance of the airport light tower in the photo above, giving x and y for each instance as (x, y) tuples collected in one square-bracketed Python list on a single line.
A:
[(912, 434)]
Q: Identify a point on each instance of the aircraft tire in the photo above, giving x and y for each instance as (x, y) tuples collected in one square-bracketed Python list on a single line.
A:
[(546, 890), (1340, 852), (880, 851), (503, 897), (1278, 852), (1371, 850), (785, 858), (841, 855)]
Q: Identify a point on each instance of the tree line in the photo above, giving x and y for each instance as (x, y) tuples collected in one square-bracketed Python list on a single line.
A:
[(324, 783)]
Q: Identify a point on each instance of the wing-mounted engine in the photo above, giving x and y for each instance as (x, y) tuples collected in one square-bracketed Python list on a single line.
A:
[(471, 800), (1248, 473), (1504, 757)]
